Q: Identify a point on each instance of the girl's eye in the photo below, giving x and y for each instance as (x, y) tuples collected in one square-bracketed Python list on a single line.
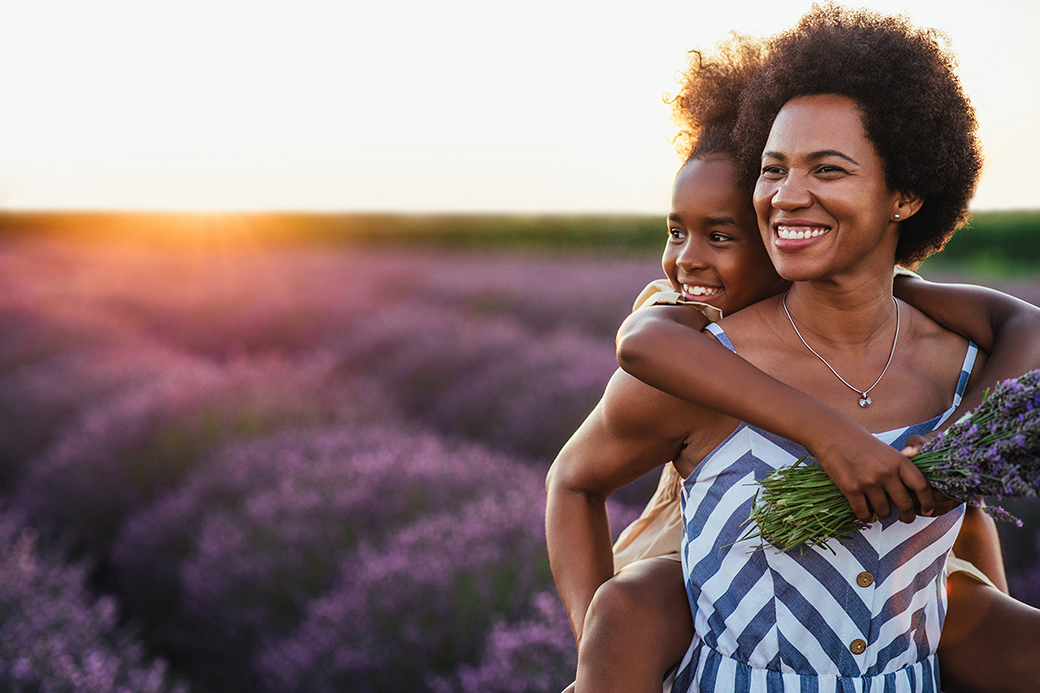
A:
[(719, 238), (677, 235)]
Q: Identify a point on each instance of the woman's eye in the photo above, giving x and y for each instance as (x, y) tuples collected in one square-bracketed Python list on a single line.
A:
[(830, 170), (771, 172)]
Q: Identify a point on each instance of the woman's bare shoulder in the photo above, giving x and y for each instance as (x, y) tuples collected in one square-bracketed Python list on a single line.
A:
[(752, 327), (937, 351)]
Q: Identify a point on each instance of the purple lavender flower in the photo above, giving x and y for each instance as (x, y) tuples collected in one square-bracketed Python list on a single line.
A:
[(55, 636), (239, 555), (420, 605), (529, 656)]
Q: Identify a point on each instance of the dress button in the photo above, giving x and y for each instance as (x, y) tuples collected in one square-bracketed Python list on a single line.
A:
[(857, 646), (864, 579)]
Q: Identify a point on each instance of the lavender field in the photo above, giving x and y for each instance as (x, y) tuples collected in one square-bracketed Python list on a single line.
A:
[(300, 469)]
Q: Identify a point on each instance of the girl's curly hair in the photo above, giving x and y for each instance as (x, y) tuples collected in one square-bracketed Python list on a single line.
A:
[(707, 105), (914, 109)]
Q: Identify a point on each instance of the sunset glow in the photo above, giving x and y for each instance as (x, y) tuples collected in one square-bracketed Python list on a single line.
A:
[(453, 106)]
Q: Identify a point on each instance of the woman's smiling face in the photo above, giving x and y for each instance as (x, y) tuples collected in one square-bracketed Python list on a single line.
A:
[(822, 202), (714, 252)]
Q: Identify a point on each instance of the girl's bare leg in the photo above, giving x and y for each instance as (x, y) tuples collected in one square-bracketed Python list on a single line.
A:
[(990, 642), (979, 543), (637, 627)]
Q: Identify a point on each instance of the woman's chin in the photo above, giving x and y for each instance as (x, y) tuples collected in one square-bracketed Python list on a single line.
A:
[(794, 270)]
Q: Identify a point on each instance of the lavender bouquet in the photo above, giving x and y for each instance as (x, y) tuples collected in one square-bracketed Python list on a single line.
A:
[(991, 451)]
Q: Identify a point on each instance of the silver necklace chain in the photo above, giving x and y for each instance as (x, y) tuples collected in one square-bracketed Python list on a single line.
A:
[(864, 400)]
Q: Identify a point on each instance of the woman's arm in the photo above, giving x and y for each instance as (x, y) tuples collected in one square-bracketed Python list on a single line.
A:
[(633, 430), (657, 346), (1003, 326)]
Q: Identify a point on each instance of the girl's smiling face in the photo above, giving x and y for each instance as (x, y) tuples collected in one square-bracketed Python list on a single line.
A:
[(822, 201), (714, 253)]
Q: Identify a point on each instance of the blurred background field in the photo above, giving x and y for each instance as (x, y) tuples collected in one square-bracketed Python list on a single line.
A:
[(995, 243), (307, 453)]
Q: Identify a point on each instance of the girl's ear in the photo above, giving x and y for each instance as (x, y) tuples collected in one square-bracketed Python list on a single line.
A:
[(906, 205)]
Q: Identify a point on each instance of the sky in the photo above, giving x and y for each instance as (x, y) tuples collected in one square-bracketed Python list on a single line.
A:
[(541, 106)]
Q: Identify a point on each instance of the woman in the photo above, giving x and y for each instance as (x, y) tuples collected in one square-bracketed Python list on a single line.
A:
[(834, 213)]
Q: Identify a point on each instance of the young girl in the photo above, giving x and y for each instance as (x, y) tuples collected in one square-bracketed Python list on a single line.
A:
[(724, 264)]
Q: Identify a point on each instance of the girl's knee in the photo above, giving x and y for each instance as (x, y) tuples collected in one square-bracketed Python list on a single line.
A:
[(621, 603), (637, 626), (646, 601)]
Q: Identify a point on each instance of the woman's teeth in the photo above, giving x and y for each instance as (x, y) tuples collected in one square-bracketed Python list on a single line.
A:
[(692, 290), (797, 232)]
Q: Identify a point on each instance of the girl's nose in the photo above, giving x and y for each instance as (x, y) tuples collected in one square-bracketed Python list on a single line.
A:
[(692, 255)]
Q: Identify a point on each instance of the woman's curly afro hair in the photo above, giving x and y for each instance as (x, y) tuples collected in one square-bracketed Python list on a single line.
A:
[(914, 109)]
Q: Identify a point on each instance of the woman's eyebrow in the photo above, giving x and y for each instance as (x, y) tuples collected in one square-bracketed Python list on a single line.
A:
[(814, 156), (824, 153)]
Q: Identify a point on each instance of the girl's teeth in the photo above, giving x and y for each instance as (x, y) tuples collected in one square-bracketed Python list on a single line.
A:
[(797, 233), (700, 290)]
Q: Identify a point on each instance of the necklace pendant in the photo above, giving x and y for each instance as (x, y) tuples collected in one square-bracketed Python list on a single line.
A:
[(864, 401)]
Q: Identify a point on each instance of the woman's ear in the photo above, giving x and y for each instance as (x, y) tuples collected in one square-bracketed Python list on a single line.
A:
[(906, 205)]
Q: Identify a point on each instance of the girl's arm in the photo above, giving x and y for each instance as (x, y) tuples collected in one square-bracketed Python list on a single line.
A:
[(656, 345), (1003, 326), (1007, 328)]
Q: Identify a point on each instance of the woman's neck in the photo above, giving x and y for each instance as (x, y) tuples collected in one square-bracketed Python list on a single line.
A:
[(845, 314)]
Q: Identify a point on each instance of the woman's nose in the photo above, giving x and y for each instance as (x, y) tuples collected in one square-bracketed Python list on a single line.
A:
[(791, 193)]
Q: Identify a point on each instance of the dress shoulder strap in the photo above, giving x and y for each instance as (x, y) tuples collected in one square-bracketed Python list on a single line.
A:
[(966, 368), (720, 335), (962, 381)]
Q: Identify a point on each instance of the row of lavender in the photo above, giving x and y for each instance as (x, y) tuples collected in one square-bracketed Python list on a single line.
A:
[(289, 471), (293, 471)]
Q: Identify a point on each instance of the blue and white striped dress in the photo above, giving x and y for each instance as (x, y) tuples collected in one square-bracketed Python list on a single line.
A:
[(865, 619)]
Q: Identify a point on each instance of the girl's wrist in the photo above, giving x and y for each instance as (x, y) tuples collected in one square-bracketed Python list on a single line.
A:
[(828, 431)]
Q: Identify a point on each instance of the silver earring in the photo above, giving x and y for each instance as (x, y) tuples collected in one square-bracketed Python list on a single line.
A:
[(896, 216)]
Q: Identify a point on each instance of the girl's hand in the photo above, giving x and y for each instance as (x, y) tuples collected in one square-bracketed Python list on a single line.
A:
[(873, 476), (943, 504)]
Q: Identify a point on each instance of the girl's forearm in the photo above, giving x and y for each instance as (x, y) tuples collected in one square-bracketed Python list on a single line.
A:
[(686, 364), (1006, 328), (1016, 350)]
